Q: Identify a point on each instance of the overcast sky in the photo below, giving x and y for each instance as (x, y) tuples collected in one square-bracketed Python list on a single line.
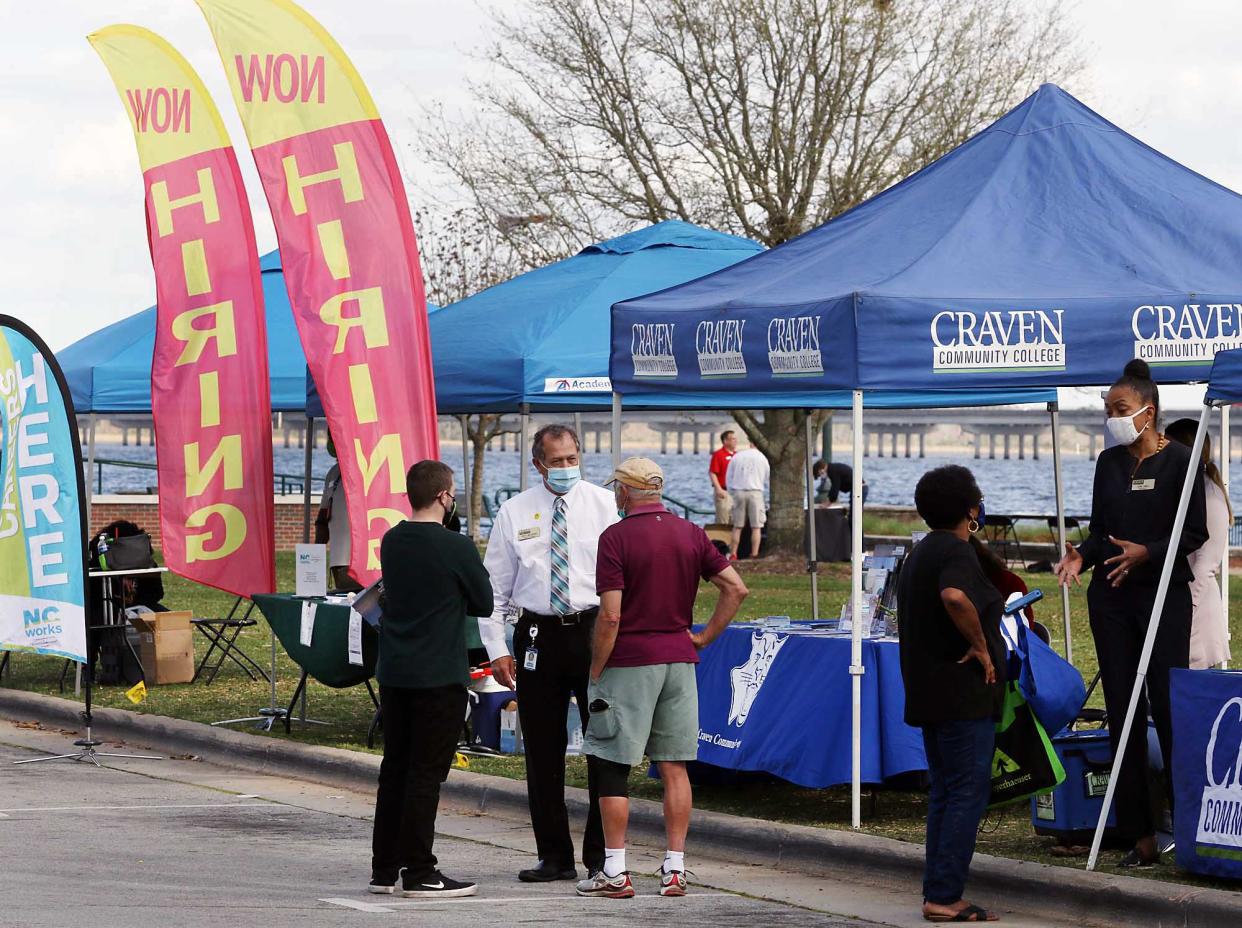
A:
[(75, 252)]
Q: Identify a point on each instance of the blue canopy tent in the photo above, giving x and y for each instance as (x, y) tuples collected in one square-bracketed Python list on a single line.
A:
[(109, 371), (1047, 250), (540, 340)]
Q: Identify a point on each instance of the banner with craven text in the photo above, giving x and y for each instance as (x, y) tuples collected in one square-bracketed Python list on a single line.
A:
[(42, 517), (210, 396), (347, 247)]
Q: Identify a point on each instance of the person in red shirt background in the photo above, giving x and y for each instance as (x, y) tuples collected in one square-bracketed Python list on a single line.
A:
[(716, 470)]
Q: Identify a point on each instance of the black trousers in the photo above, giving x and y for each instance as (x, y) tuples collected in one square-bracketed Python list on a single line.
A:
[(1119, 620), (421, 728), (562, 670)]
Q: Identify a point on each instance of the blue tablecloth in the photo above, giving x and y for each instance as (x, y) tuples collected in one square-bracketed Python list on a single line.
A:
[(1207, 782), (780, 702)]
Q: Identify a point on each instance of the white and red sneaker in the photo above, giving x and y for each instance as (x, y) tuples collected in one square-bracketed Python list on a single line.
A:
[(616, 887), (672, 883)]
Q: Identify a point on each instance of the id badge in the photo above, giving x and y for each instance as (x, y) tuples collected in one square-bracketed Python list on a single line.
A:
[(531, 659), (1143, 484)]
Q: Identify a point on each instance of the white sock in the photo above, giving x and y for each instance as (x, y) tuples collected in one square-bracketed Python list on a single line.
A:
[(674, 860), (614, 861)]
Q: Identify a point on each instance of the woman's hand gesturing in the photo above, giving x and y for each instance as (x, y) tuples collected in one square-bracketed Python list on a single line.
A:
[(1069, 567)]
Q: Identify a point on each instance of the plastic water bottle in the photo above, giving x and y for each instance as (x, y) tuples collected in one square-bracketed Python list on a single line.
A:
[(102, 549), (573, 728)]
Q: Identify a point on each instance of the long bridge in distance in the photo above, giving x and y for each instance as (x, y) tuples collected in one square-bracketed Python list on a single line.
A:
[(991, 432)]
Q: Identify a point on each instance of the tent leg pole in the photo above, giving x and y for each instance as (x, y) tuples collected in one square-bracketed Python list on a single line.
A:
[(90, 463), (306, 479), (1054, 410), (615, 438), (524, 446), (1153, 627), (1224, 478), (812, 561), (581, 442), (856, 578), (472, 530)]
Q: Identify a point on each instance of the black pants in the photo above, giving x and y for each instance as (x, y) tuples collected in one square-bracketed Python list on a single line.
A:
[(421, 727), (562, 670), (1119, 620)]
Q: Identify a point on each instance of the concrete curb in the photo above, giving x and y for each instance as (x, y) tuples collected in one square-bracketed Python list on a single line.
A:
[(1023, 885)]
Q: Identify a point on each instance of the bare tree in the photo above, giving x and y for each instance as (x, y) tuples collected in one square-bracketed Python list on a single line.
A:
[(760, 117), (465, 251)]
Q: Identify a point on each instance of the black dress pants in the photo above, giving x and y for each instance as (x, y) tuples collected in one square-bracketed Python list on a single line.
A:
[(562, 669), (421, 728), (1119, 620)]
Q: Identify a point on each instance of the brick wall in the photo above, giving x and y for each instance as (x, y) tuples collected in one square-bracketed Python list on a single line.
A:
[(144, 511)]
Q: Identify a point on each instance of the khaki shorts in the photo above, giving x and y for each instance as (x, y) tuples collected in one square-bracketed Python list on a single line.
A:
[(724, 510), (652, 710), (748, 507)]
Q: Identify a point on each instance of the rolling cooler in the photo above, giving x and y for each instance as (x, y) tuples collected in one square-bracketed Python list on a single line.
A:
[(1071, 811)]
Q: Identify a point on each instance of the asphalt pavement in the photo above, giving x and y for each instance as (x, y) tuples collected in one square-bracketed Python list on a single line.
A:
[(186, 843)]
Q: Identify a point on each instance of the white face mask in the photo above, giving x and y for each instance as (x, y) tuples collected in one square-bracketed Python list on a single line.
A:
[(1121, 428)]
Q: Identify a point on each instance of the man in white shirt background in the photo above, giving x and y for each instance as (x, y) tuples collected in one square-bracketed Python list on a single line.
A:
[(332, 525), (747, 478), (541, 559)]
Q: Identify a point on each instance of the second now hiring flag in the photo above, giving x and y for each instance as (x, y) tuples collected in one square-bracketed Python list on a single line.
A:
[(210, 396), (347, 248)]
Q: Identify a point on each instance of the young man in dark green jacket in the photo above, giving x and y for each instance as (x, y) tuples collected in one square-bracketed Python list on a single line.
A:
[(433, 579)]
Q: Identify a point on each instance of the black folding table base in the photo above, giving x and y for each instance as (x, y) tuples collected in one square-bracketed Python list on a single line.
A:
[(289, 718)]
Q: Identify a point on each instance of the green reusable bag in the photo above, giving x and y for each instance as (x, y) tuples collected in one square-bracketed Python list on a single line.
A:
[(1024, 763)]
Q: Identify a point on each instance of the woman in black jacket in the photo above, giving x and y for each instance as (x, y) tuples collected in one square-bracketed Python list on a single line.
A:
[(1138, 485)]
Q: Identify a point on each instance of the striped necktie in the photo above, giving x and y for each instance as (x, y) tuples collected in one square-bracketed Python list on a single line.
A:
[(560, 559)]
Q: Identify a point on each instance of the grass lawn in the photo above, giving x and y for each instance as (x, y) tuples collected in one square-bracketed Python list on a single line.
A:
[(777, 588)]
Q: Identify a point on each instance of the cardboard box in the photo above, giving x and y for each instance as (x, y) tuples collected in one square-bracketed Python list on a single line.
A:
[(165, 646)]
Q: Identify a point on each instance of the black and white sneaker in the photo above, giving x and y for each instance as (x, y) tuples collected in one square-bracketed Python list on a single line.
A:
[(437, 885), (383, 886)]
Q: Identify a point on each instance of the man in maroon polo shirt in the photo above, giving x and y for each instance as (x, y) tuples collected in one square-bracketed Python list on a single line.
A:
[(643, 693)]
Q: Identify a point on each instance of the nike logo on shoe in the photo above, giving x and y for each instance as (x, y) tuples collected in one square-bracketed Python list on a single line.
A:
[(439, 885)]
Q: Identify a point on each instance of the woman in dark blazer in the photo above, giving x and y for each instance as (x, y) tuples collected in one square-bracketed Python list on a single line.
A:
[(1138, 484)]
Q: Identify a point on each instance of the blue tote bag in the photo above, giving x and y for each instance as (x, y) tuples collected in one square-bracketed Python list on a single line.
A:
[(1051, 685)]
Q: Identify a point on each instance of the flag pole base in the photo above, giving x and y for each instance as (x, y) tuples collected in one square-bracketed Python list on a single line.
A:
[(266, 718), (88, 753)]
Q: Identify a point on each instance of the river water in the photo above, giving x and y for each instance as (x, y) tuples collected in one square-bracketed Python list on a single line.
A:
[(1010, 486)]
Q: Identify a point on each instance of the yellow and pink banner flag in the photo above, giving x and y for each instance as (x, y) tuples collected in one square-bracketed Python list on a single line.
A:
[(347, 248), (210, 396)]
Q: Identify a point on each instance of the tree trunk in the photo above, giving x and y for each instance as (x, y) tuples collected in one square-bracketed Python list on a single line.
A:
[(479, 442)]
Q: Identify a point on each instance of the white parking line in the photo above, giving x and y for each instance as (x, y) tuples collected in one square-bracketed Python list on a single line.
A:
[(540, 899), (197, 805)]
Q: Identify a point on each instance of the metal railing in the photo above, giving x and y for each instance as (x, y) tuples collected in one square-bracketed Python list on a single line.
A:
[(284, 484), (492, 504)]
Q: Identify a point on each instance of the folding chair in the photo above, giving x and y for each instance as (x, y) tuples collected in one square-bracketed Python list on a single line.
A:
[(222, 633), (1070, 523), (1004, 529)]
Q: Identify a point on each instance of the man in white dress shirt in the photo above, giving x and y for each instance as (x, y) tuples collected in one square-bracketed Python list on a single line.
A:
[(746, 479), (541, 558)]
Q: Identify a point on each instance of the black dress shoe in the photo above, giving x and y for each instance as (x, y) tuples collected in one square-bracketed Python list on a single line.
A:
[(547, 873)]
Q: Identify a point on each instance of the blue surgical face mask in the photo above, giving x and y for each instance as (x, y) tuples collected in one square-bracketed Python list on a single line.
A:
[(561, 480)]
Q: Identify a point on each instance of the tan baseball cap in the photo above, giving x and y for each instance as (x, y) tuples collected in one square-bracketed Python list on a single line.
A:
[(639, 473)]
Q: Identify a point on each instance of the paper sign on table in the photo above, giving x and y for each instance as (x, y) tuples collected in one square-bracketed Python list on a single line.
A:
[(311, 576), (309, 608), (355, 638)]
